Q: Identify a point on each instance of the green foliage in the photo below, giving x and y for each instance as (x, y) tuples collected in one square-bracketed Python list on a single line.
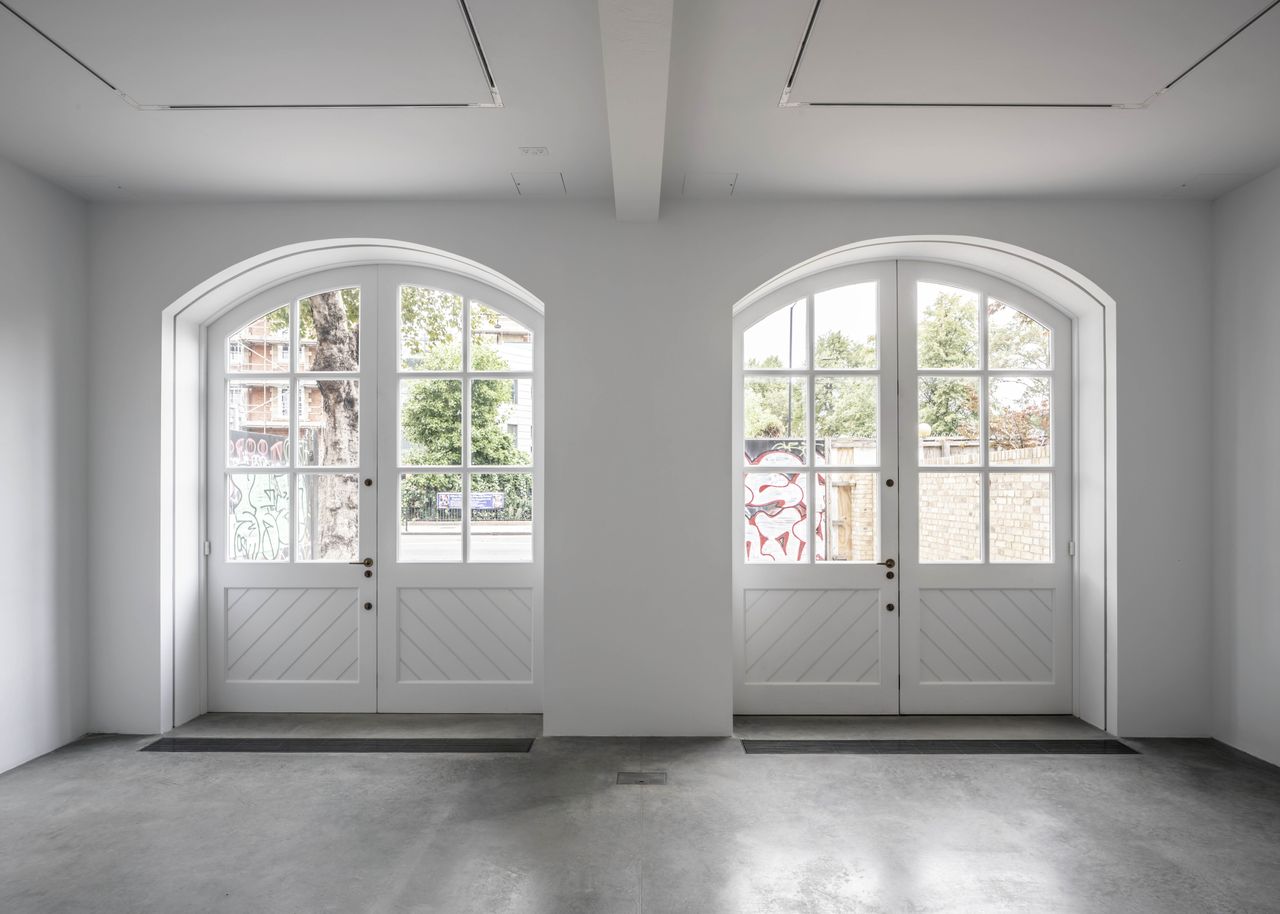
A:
[(278, 320), (844, 406), (1014, 339), (949, 406), (835, 350), (429, 322), (948, 338), (432, 412), (773, 407), (1020, 416), (948, 335)]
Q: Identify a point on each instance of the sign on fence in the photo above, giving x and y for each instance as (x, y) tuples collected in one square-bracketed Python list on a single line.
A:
[(480, 501)]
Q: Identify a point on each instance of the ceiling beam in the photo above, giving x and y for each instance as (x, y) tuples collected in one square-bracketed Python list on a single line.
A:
[(636, 38)]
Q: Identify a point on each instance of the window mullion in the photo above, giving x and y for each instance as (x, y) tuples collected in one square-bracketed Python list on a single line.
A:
[(465, 457), (984, 449), (811, 427), (293, 400)]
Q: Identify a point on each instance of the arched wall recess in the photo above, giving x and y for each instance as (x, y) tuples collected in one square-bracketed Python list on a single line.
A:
[(1093, 317), (182, 629)]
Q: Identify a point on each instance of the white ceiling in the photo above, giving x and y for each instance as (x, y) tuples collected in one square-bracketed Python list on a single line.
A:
[(1010, 51), (60, 121), (1216, 128), (689, 95), (287, 52)]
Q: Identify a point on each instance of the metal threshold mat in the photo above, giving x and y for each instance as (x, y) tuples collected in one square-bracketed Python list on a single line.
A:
[(936, 747), (321, 744)]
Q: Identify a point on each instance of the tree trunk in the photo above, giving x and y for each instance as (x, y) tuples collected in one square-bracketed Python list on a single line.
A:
[(337, 502)]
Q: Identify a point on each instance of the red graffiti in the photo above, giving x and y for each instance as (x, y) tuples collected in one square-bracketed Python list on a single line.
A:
[(777, 511)]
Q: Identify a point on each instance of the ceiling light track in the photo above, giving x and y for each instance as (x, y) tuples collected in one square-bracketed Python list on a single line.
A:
[(495, 99), (45, 35), (786, 102), (1222, 44)]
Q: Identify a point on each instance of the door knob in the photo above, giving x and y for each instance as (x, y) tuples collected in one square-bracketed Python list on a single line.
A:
[(887, 563), (367, 563)]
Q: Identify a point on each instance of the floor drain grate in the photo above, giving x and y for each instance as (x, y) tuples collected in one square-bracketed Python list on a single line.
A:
[(642, 777)]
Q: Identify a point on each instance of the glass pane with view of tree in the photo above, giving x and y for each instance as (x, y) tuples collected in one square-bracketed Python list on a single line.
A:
[(328, 513), (1018, 424), (432, 433)]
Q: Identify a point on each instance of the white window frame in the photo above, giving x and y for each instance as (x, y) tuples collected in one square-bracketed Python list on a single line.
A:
[(466, 376)]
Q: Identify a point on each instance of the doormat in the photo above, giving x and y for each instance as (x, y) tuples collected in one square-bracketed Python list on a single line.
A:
[(936, 747), (321, 744)]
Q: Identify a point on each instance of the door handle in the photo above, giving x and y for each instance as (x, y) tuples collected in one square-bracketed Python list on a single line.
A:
[(367, 563), (887, 563)]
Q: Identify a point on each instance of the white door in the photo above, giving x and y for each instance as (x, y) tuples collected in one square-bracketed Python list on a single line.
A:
[(290, 518), (348, 415), (815, 627), (459, 612), (985, 429), (904, 461)]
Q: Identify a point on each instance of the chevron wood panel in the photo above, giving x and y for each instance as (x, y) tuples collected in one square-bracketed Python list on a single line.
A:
[(477, 634), (812, 635), (986, 635), (277, 634)]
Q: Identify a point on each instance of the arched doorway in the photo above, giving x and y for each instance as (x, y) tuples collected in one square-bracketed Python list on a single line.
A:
[(848, 474), (371, 490)]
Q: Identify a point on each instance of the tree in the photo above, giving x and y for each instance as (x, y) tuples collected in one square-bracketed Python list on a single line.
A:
[(431, 325), (773, 407), (432, 413), (844, 407), (1014, 339), (948, 338), (331, 319), (1019, 408)]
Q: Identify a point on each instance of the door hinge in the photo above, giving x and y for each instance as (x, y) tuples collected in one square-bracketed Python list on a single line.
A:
[(1071, 547), (208, 548)]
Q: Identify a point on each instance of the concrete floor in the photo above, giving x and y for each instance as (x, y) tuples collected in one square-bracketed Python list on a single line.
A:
[(1187, 826)]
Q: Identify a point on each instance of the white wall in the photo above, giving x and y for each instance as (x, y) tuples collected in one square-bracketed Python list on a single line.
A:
[(1247, 487), (43, 467), (637, 622)]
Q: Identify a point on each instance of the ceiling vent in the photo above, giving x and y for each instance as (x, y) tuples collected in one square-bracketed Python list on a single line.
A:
[(709, 184), (539, 183)]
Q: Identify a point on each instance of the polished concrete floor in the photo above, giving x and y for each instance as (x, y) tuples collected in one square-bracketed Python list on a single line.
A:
[(1187, 826)]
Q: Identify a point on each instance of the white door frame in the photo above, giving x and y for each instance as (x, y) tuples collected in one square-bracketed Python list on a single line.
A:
[(182, 624), (1093, 315)]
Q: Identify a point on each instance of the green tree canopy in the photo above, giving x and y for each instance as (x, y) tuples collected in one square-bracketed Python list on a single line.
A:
[(431, 417), (432, 413), (948, 338)]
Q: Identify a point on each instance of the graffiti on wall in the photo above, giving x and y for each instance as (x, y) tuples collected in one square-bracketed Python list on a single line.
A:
[(258, 510), (777, 504), (256, 449)]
